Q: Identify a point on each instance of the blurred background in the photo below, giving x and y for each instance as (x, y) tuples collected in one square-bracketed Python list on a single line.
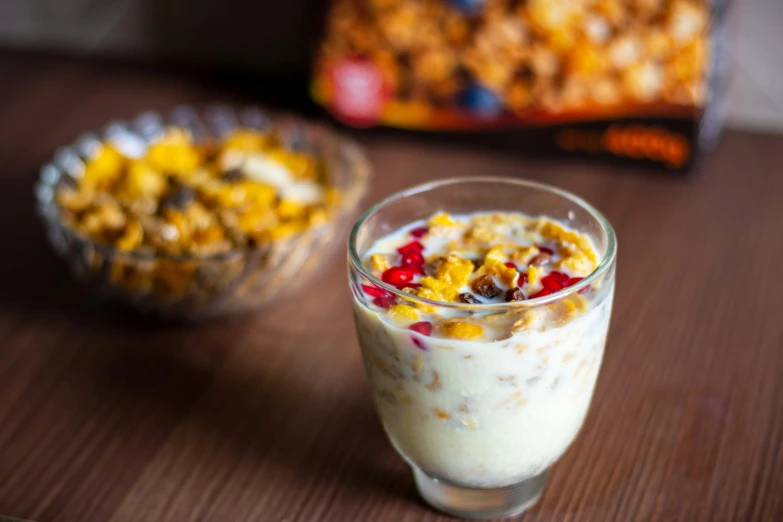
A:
[(276, 39)]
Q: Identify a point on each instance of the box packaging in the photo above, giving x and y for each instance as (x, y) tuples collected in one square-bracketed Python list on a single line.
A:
[(634, 80)]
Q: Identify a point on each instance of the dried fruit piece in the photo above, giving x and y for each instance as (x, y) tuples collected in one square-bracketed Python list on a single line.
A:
[(485, 286), (419, 231), (541, 259), (468, 298), (514, 294), (397, 276), (233, 175), (546, 250), (422, 327), (179, 198)]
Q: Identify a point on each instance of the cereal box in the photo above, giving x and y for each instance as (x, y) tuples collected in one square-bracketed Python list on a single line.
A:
[(630, 79)]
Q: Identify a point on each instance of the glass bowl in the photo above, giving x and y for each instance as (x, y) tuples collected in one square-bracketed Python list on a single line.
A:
[(191, 286), (481, 422)]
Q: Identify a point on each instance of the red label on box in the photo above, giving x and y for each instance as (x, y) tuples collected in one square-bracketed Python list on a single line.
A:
[(358, 92)]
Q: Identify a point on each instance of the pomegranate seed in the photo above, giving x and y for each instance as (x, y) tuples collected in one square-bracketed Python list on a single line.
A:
[(419, 344), (397, 275), (541, 293), (410, 285), (383, 302), (413, 245), (509, 264), (546, 250), (574, 280), (560, 277), (423, 327), (374, 291), (412, 257), (416, 269), (420, 231), (522, 279), (551, 282)]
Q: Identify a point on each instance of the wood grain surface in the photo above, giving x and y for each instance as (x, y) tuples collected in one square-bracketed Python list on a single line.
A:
[(105, 416)]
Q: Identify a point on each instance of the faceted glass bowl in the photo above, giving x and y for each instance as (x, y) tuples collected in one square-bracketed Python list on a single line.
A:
[(191, 286)]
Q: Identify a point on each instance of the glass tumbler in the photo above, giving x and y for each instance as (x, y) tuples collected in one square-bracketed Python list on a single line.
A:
[(481, 422)]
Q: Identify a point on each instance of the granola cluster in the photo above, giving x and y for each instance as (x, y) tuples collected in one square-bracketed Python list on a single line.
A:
[(200, 199), (555, 55), (480, 259)]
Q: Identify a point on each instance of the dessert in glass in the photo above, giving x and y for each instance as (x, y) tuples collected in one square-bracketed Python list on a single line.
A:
[(482, 307)]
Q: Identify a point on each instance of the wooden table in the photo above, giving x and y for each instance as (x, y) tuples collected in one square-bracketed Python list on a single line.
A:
[(108, 417)]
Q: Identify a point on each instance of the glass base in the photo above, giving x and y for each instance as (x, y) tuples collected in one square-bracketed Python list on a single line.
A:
[(479, 503)]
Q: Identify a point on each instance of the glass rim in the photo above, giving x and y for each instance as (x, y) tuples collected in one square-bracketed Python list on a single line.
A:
[(606, 261)]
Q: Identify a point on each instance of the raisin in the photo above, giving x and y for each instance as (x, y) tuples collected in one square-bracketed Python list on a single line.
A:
[(541, 259), (478, 263), (179, 198), (233, 175), (485, 287), (468, 298), (514, 294), (546, 250)]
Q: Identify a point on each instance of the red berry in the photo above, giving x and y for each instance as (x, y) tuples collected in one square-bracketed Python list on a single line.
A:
[(551, 282), (423, 327), (420, 231), (416, 269), (572, 281), (522, 279), (412, 257), (397, 275), (413, 245), (560, 277), (509, 264), (541, 293), (546, 250), (419, 344), (383, 302), (374, 291)]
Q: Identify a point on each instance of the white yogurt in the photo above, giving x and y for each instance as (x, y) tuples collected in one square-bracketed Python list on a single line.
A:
[(483, 414)]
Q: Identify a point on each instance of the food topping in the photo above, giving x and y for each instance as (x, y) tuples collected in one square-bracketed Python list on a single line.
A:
[(477, 259)]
